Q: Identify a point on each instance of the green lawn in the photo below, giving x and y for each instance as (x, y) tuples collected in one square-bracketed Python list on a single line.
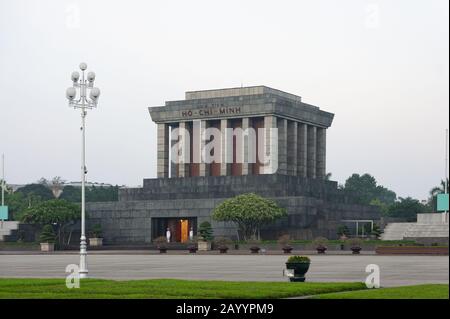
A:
[(165, 288), (435, 291), (185, 289)]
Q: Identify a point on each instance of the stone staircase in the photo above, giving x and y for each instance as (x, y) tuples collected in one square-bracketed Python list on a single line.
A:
[(396, 231), (422, 230), (8, 228)]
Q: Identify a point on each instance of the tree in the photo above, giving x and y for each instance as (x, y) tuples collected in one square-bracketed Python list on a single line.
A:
[(47, 234), (205, 231), (93, 194), (16, 203), (432, 201), (407, 208), (249, 212), (39, 190), (382, 206), (71, 194), (56, 186), (439, 189), (364, 189), (57, 212), (102, 194)]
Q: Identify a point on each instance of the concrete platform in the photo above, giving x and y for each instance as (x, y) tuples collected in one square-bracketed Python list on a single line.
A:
[(395, 270)]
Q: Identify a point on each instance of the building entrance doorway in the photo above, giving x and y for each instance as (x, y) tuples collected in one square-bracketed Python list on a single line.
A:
[(180, 228)]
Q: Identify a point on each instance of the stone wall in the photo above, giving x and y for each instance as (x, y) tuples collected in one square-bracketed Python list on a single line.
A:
[(314, 207)]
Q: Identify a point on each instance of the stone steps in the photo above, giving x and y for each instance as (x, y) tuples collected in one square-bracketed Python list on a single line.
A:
[(396, 231), (421, 230)]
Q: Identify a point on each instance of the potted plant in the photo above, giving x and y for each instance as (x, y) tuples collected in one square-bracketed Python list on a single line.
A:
[(205, 236), (321, 244), (192, 246), (343, 232), (96, 233), (161, 244), (285, 243), (355, 245), (254, 246), (376, 232), (47, 238), (300, 265), (222, 244)]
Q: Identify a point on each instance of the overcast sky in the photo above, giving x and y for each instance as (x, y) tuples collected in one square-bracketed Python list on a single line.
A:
[(380, 66)]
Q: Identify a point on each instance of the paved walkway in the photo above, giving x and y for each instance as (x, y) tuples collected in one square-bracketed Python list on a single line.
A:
[(395, 270)]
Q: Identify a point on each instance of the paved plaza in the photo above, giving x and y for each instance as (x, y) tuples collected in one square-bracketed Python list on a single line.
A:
[(395, 270)]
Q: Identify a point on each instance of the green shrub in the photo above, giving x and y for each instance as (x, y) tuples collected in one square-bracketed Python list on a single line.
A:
[(205, 231), (160, 241), (96, 231), (354, 242), (299, 259), (47, 234), (320, 242), (284, 240), (222, 242)]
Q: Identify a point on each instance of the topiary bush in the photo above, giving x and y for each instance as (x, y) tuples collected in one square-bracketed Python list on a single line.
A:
[(354, 242), (96, 231), (205, 231), (160, 241), (320, 242), (284, 240), (299, 259), (222, 242), (47, 234)]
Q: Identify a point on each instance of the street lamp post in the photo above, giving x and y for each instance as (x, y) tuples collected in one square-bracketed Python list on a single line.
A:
[(78, 99)]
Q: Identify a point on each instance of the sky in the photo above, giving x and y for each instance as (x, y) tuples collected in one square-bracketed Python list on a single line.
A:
[(380, 66)]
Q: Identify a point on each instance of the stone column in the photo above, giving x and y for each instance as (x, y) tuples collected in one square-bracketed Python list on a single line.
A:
[(312, 153), (226, 148), (246, 140), (199, 146), (321, 152), (270, 160), (162, 150), (282, 146), (292, 144), (184, 150), (302, 139), (173, 152)]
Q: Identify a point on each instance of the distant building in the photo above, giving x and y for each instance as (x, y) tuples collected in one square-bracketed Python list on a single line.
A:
[(88, 184)]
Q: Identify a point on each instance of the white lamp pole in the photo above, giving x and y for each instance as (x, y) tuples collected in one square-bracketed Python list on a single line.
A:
[(77, 96), (3, 179)]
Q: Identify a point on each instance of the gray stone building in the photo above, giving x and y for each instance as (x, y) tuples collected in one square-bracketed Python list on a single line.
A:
[(284, 159)]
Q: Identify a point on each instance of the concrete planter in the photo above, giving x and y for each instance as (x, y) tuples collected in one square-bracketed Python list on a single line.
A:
[(96, 242), (203, 245), (223, 249), (47, 247), (192, 249), (300, 269), (287, 249)]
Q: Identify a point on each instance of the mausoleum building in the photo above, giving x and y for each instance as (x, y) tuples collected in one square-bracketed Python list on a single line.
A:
[(216, 144)]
